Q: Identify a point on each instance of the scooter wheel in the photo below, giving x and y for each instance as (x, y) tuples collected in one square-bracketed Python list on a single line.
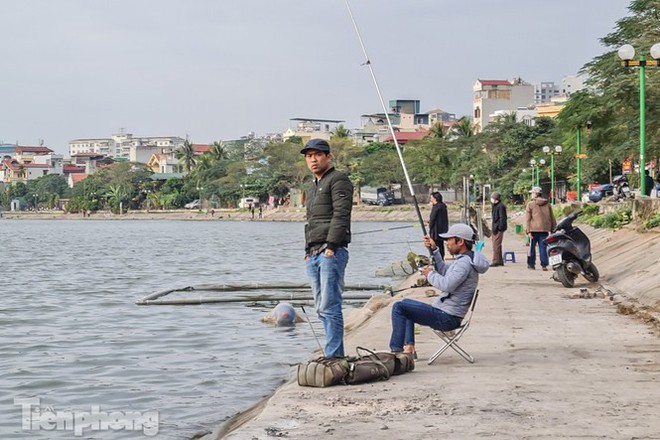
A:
[(591, 273), (566, 277)]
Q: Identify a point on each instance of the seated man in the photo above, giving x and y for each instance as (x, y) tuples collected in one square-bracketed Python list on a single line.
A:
[(456, 280)]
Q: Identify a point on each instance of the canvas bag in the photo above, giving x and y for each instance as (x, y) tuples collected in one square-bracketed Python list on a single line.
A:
[(323, 372), (367, 366)]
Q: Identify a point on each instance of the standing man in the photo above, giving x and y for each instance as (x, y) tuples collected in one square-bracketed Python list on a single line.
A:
[(648, 183), (329, 201), (438, 222), (498, 227), (539, 222)]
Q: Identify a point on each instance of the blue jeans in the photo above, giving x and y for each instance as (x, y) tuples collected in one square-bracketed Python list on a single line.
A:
[(326, 275), (407, 312), (537, 238)]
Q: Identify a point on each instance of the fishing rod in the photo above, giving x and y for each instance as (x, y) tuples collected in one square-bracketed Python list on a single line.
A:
[(383, 229), (313, 332), (389, 122)]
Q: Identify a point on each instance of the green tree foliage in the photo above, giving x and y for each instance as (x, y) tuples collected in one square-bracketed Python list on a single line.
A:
[(340, 132), (185, 154), (613, 106), (430, 161)]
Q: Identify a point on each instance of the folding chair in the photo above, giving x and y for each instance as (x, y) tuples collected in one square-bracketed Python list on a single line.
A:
[(451, 337)]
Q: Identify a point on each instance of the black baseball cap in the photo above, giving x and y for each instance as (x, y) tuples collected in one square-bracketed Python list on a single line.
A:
[(318, 145)]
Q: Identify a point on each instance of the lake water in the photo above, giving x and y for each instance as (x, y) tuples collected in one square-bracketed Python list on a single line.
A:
[(73, 342)]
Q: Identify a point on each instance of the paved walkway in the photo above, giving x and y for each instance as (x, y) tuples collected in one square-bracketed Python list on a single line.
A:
[(548, 366)]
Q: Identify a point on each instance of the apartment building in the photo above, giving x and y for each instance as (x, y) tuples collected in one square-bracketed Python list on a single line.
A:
[(493, 95), (545, 91), (126, 146), (310, 128)]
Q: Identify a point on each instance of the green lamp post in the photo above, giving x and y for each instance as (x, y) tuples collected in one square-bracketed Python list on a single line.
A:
[(537, 164), (627, 53), (552, 153)]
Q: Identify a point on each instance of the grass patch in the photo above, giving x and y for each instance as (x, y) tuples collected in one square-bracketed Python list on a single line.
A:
[(613, 220), (652, 222)]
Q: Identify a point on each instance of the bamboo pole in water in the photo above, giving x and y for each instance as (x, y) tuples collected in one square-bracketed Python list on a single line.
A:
[(257, 298), (153, 298)]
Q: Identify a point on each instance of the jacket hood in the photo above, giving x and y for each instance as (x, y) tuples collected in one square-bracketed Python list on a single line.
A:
[(479, 262), (541, 201)]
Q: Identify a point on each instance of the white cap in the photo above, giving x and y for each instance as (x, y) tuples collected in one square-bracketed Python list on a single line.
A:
[(536, 190), (460, 230)]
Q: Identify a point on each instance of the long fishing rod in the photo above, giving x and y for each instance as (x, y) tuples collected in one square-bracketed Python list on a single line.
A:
[(383, 229), (389, 122), (313, 332)]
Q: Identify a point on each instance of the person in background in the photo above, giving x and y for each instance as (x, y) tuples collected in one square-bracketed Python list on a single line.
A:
[(498, 227), (457, 281), (438, 222), (648, 183), (329, 202), (539, 222)]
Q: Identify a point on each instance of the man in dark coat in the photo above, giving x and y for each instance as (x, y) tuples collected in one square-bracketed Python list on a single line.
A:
[(498, 227), (438, 222), (329, 203), (648, 183)]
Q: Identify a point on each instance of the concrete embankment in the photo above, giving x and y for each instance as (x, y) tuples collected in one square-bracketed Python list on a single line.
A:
[(551, 362)]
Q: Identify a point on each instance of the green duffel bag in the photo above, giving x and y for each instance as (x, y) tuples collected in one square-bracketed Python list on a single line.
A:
[(396, 363), (323, 372)]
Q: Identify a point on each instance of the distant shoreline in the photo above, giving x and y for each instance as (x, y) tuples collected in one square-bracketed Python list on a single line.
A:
[(401, 213)]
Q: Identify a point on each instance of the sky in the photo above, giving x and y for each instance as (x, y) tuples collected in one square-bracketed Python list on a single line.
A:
[(218, 69)]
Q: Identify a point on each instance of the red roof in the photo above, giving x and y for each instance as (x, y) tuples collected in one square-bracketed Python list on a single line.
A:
[(24, 149), (404, 136), (201, 148), (69, 169), (17, 166), (75, 178), (494, 82)]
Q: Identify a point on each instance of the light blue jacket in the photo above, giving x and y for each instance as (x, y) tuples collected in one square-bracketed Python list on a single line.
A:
[(457, 280)]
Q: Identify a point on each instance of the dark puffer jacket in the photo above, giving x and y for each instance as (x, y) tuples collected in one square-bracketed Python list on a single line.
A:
[(329, 203)]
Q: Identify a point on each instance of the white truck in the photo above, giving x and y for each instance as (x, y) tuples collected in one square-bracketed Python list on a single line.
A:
[(376, 196)]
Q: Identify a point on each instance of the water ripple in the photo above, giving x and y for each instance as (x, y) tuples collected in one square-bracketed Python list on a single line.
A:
[(73, 337)]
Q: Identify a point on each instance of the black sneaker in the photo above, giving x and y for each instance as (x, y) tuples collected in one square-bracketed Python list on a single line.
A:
[(545, 268), (531, 268)]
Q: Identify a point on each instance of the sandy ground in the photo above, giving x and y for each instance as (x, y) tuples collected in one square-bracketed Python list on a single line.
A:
[(551, 362)]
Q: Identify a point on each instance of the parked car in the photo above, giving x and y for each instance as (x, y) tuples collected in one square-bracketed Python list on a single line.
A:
[(597, 193), (376, 196), (247, 202), (195, 204)]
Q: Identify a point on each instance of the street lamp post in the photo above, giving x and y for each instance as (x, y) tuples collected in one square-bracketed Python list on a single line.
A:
[(627, 53), (557, 150), (579, 156), (199, 192), (537, 164)]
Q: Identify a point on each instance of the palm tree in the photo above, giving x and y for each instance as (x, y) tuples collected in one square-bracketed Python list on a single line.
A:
[(437, 130), (340, 132), (185, 154), (116, 195), (462, 129), (218, 152)]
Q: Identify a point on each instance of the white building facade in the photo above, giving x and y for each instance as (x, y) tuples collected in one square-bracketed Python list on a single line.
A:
[(493, 95), (126, 146)]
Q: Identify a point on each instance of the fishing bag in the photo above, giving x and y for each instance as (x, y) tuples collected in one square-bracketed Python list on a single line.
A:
[(323, 372), (367, 366), (377, 365)]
